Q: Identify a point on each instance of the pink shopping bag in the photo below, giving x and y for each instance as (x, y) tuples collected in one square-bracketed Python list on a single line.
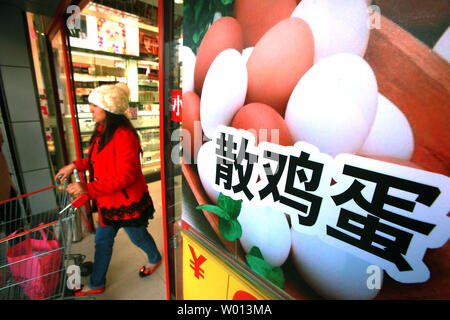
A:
[(35, 265)]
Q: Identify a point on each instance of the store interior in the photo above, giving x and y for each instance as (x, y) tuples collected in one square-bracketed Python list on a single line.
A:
[(117, 46), (105, 46), (113, 46)]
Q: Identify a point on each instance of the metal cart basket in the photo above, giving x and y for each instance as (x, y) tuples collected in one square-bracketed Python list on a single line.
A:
[(36, 233)]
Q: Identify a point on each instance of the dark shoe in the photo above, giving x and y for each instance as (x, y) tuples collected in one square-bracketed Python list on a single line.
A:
[(81, 293), (144, 272)]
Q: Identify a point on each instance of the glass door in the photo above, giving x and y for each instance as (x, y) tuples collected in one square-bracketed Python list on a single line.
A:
[(170, 22), (129, 52), (116, 44), (51, 109), (63, 87), (64, 90)]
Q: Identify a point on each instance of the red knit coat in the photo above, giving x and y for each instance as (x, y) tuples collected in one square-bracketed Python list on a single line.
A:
[(116, 179)]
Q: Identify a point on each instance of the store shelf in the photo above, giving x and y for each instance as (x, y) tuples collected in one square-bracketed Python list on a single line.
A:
[(86, 78), (92, 69)]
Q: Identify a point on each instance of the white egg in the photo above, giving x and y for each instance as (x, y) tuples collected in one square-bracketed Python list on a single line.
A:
[(442, 46), (333, 105), (217, 16), (332, 272), (188, 64), (391, 135), (206, 167), (268, 229), (223, 91), (246, 53), (337, 26)]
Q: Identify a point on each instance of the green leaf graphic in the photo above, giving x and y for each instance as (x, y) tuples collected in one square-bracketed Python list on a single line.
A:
[(197, 9), (214, 209), (232, 207), (230, 229), (227, 210), (257, 263), (254, 251), (276, 276)]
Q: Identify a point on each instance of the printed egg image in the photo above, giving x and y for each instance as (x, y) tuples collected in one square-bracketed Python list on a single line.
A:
[(264, 123), (391, 134), (333, 273), (225, 33), (398, 161), (188, 64), (206, 164), (334, 104), (356, 100), (442, 46), (223, 91), (278, 61), (258, 16), (338, 26), (192, 129), (268, 229), (246, 53)]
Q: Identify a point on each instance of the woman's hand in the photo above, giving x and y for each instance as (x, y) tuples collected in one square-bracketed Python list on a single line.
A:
[(76, 188), (65, 172)]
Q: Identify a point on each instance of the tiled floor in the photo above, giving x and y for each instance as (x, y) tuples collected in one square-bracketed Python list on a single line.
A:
[(123, 281)]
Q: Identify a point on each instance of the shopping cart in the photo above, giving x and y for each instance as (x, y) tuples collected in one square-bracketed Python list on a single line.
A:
[(36, 233)]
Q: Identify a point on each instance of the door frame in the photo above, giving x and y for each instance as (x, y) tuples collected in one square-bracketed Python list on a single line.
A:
[(58, 24)]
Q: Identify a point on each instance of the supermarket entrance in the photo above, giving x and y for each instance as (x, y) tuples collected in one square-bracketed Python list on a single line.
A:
[(109, 41), (119, 43)]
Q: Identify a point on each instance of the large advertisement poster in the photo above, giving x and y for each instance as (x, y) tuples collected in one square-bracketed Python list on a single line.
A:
[(316, 142)]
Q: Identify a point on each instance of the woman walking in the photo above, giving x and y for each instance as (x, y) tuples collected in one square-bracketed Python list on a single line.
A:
[(116, 183)]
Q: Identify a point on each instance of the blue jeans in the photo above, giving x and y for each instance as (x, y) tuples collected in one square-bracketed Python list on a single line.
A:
[(104, 241)]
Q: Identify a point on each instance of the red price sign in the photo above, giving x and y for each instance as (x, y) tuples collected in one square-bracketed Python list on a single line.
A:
[(177, 105)]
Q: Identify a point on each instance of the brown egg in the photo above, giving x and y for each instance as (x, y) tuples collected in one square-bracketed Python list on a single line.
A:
[(261, 119), (258, 16), (398, 161), (401, 162), (278, 61), (223, 34), (193, 136)]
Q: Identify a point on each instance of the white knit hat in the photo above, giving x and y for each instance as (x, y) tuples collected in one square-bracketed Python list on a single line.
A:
[(111, 97)]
